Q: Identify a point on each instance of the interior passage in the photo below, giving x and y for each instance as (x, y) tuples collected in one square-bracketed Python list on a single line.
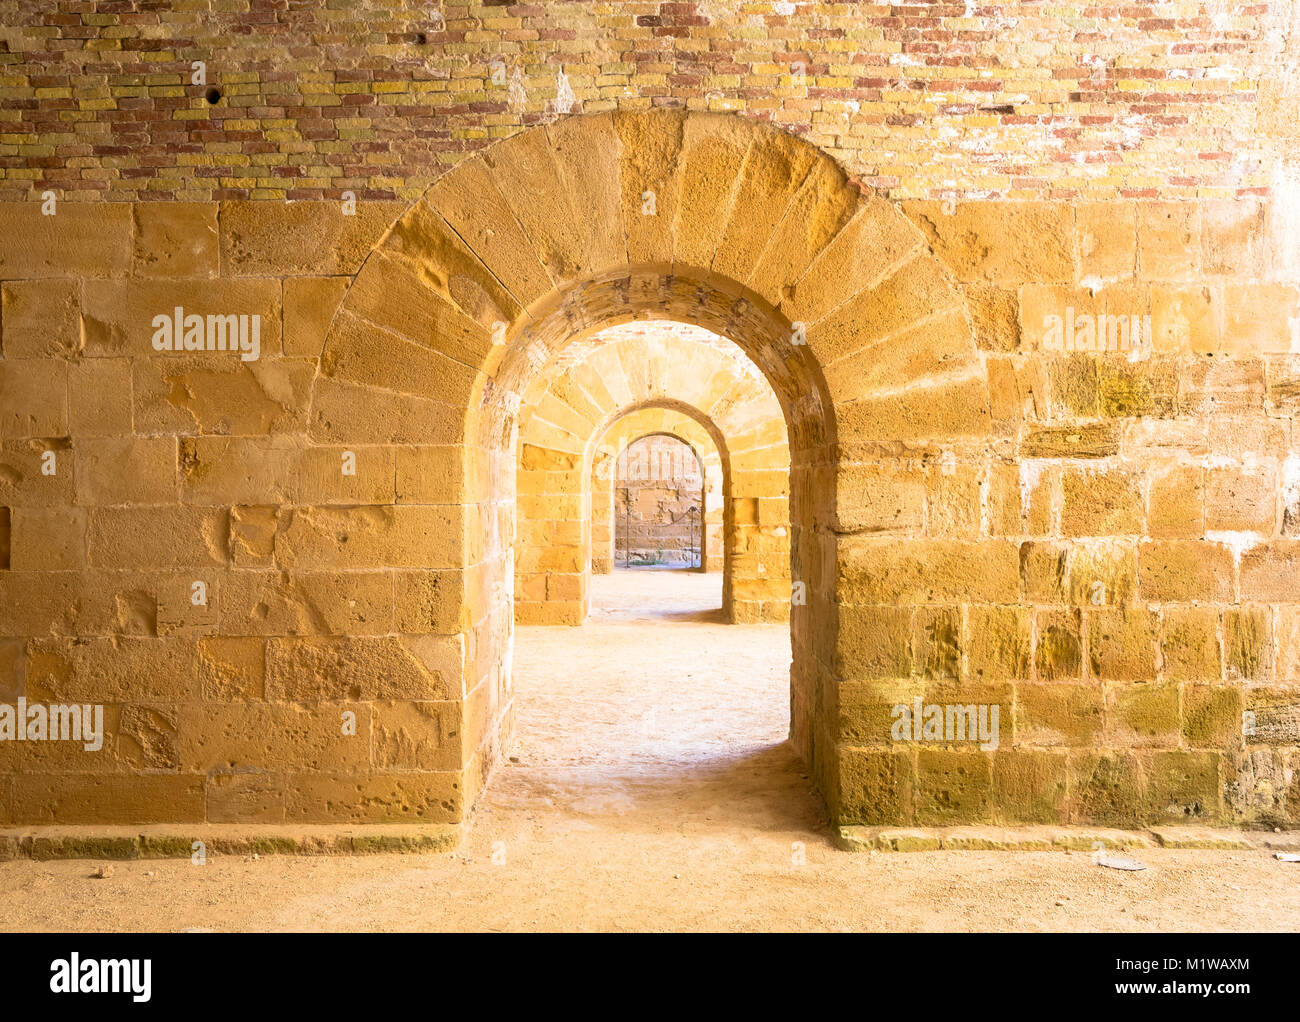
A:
[(655, 716)]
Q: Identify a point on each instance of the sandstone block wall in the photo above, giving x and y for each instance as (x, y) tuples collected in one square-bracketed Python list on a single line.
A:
[(1116, 559), (259, 615)]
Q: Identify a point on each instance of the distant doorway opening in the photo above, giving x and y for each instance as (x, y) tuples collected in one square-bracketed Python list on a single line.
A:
[(660, 506)]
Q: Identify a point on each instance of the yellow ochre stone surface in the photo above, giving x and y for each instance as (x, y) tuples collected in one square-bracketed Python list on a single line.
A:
[(1025, 451)]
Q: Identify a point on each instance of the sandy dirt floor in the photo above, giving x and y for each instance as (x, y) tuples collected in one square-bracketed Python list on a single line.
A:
[(651, 788)]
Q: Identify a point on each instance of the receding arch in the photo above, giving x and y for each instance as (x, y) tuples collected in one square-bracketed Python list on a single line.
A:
[(637, 464), (540, 241), (756, 544), (631, 428), (616, 371)]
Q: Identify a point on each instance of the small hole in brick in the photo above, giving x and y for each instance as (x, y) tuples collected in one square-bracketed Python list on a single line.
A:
[(421, 38), (213, 96)]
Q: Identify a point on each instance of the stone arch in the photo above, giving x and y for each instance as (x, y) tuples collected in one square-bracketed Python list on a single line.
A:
[(541, 240), (632, 427), (554, 553), (754, 525), (615, 371)]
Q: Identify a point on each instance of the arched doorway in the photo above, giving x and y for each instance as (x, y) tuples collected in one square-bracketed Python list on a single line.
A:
[(510, 258), (659, 501), (662, 484)]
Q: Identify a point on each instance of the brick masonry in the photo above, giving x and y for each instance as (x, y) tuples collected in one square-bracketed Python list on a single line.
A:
[(1186, 100)]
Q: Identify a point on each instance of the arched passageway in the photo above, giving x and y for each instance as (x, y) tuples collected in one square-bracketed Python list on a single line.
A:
[(512, 258), (575, 419)]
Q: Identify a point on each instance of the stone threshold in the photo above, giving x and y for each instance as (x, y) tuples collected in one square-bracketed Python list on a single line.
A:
[(1046, 839), (176, 841)]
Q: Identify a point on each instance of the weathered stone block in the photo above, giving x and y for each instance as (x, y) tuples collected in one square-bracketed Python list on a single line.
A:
[(47, 539), (1168, 240), (245, 798), (936, 642), (82, 239), (819, 212), (401, 536), (1189, 644), (1059, 713), (1241, 499), (1142, 715), (1181, 786), (309, 307), (953, 501), (257, 737), (42, 318), (994, 313), (1248, 644), (1122, 644), (450, 315), (951, 787), (1234, 236), (37, 473), (1101, 503), (213, 394), (1214, 387), (107, 798), (1106, 788), (33, 398), (1129, 389), (1033, 239), (351, 669), (1187, 319), (1186, 572), (237, 470), (126, 470), (997, 643), (1058, 647), (1105, 237), (175, 239), (1029, 786), (99, 391), (428, 601), (1212, 716), (338, 475), (1269, 572), (336, 603), (117, 316), (429, 797), (1043, 569), (158, 537), (875, 787), (927, 571), (1086, 440), (300, 238), (1103, 573), (232, 668), (416, 735), (1175, 503), (121, 669), (357, 351)]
